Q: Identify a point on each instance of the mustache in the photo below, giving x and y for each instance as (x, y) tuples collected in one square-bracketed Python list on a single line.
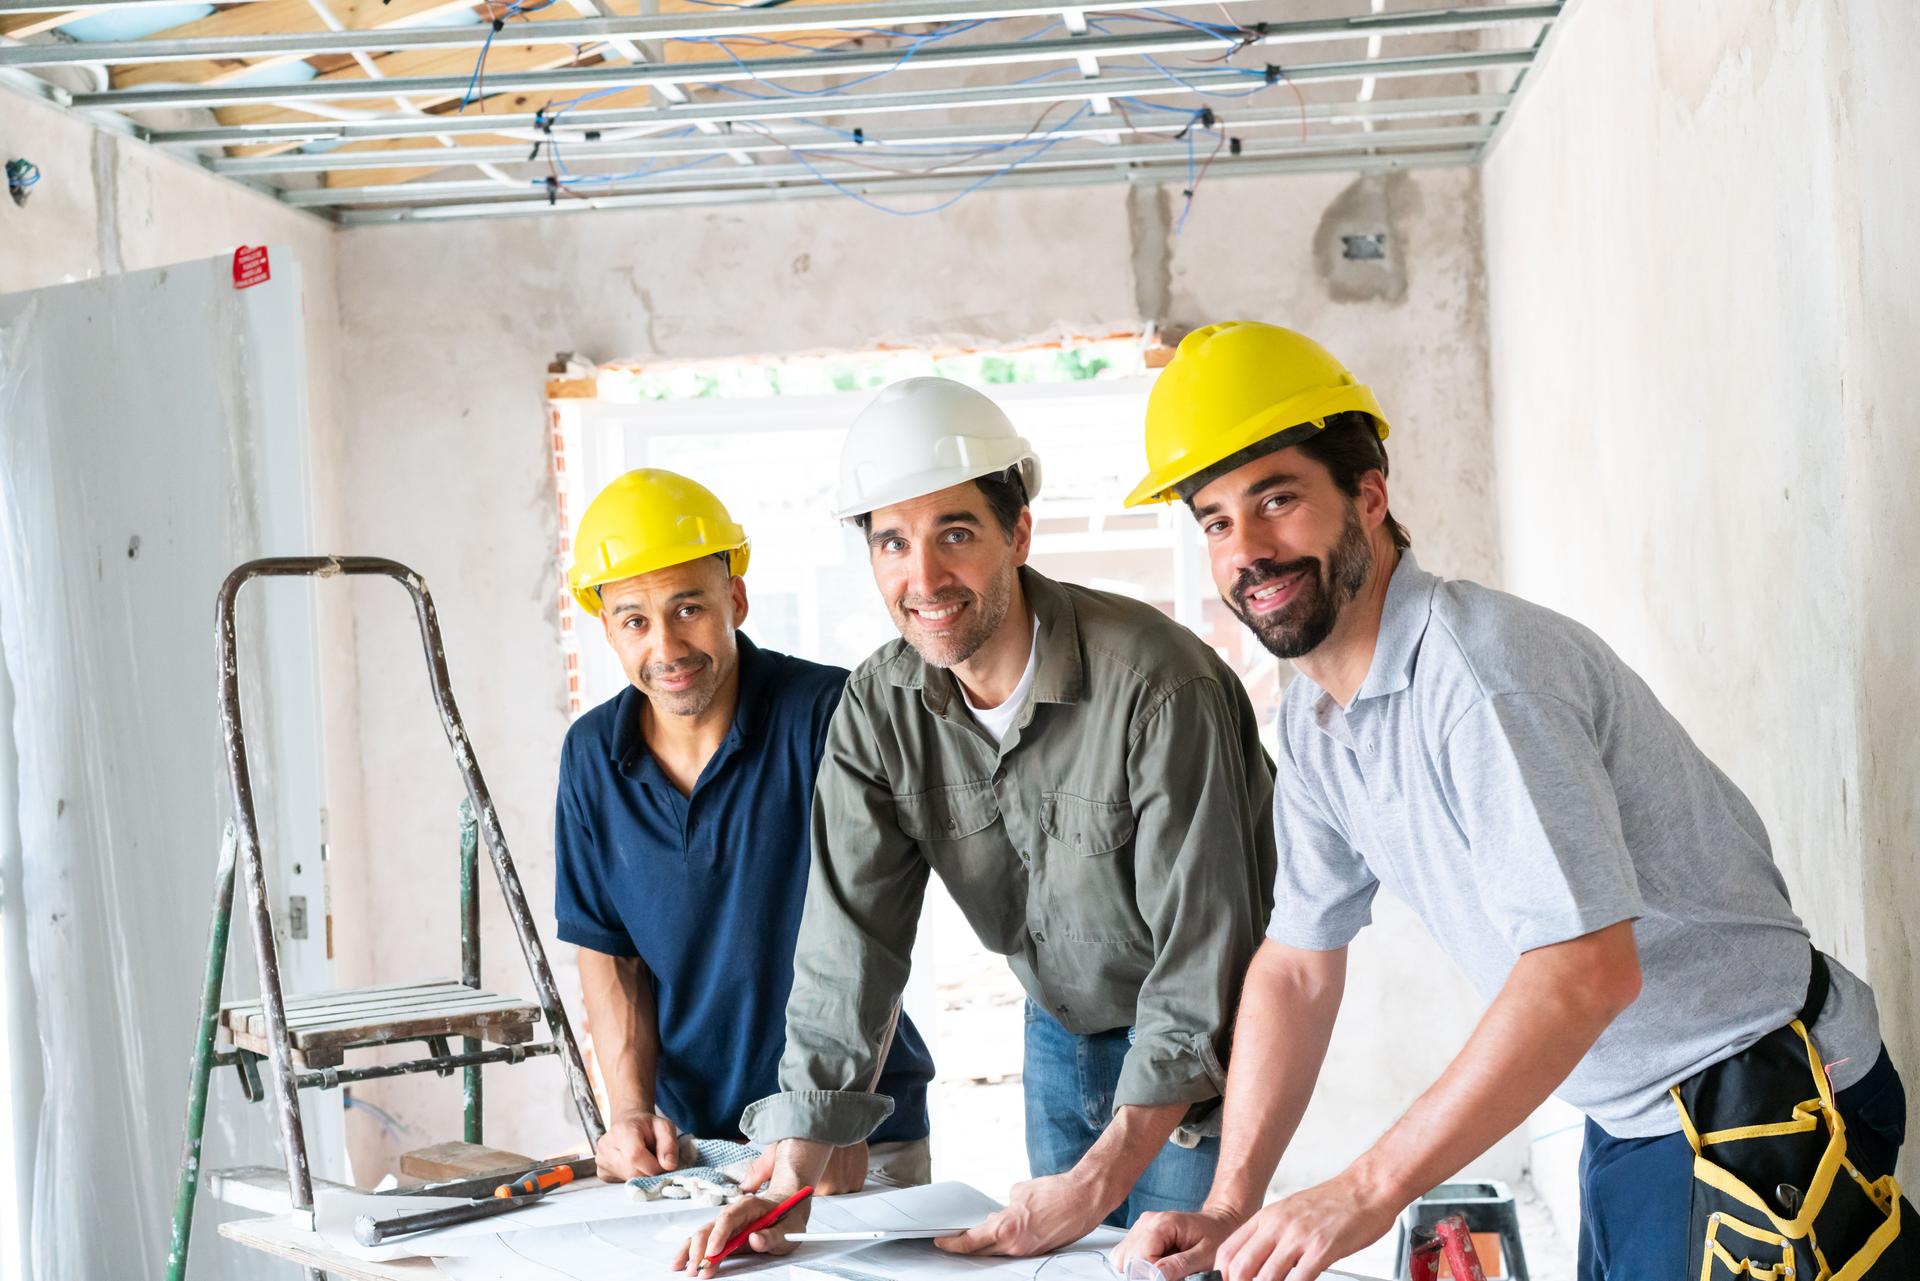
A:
[(681, 668), (1262, 572), (957, 596)]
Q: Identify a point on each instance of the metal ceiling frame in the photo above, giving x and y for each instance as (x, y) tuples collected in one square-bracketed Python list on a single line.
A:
[(784, 19), (1145, 175), (653, 147), (1107, 156), (1090, 146)]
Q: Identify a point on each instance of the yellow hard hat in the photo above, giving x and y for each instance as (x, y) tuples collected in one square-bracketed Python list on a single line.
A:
[(647, 520), (1232, 385)]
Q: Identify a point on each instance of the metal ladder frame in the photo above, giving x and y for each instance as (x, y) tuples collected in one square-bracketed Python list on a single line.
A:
[(241, 850)]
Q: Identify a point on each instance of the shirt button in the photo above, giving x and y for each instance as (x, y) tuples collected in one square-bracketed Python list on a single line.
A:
[(1039, 936)]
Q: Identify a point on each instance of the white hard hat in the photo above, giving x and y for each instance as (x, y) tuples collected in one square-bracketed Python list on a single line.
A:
[(920, 436)]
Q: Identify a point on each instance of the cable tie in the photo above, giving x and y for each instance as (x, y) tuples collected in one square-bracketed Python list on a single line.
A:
[(1233, 146), (592, 135), (553, 190), (1206, 117), (535, 153), (1274, 74), (860, 137), (499, 25)]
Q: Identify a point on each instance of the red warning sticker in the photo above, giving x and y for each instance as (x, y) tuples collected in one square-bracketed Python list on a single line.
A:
[(249, 266)]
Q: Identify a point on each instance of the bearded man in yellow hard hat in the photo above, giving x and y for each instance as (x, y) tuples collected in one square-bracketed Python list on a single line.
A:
[(1600, 882), (681, 841)]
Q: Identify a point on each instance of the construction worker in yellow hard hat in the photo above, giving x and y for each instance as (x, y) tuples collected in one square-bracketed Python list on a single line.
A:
[(681, 840), (1569, 846)]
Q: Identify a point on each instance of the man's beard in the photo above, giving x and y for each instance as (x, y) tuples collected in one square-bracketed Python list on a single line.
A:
[(1299, 626), (691, 701), (982, 618)]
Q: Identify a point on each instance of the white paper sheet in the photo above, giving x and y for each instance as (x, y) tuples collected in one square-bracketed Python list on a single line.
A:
[(586, 1202), (636, 1248)]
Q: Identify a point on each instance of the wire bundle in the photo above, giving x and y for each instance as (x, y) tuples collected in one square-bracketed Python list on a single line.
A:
[(1036, 142), (22, 175)]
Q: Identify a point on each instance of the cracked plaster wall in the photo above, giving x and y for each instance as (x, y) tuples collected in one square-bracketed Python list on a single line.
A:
[(1703, 278), (445, 330)]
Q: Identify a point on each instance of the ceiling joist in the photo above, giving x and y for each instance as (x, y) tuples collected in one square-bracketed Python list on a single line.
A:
[(359, 108)]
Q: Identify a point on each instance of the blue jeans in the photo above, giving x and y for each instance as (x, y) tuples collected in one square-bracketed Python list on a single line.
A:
[(1636, 1195), (1069, 1087)]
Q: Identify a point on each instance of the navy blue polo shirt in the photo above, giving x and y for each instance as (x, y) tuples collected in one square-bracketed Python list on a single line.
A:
[(707, 889)]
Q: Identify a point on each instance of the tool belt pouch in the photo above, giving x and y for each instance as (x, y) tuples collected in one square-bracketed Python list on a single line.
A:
[(1774, 1196)]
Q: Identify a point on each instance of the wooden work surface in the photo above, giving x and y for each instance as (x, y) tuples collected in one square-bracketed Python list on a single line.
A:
[(278, 1236)]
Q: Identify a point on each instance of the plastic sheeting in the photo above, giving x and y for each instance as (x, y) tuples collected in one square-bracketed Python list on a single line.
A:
[(152, 435)]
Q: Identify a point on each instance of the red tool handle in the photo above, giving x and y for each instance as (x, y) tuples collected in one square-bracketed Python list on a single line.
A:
[(538, 1182), (765, 1221), (1450, 1238)]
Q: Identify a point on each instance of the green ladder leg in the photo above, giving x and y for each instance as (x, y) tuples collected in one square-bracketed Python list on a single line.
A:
[(470, 956), (202, 1061)]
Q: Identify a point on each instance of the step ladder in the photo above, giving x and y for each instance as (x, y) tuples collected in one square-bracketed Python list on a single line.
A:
[(303, 1040)]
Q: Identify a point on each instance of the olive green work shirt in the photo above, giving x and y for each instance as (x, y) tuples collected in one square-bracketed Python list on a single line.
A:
[(1117, 848)]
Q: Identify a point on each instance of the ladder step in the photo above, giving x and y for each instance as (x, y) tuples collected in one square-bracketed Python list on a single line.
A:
[(320, 1025)]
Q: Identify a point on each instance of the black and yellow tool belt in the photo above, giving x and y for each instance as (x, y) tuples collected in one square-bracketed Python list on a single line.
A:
[(1774, 1196)]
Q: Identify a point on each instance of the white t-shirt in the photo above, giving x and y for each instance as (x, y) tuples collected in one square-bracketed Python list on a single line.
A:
[(998, 720)]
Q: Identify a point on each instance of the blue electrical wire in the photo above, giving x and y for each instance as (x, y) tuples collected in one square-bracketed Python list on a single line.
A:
[(514, 10), (915, 45), (1040, 146), (1032, 147), (569, 179)]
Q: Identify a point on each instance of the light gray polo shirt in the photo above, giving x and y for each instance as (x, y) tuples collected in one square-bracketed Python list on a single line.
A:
[(1504, 773)]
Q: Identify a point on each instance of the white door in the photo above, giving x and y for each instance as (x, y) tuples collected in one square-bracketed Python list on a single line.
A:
[(153, 434)]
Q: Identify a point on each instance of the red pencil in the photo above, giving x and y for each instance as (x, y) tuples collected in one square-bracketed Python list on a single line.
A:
[(766, 1220)]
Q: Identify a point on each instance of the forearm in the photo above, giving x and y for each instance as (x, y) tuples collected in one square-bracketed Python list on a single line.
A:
[(621, 1014), (1287, 1010), (1552, 1008), (1125, 1149)]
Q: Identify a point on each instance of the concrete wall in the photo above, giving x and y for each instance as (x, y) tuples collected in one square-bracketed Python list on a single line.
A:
[(1702, 283), (445, 329)]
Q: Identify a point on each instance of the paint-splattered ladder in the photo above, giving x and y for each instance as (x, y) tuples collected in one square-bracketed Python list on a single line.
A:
[(303, 1040)]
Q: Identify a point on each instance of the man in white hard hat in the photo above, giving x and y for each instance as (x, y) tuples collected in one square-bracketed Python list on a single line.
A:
[(680, 839), (1605, 887), (1087, 779)]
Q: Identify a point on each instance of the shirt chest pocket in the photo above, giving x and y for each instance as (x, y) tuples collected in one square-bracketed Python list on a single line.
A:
[(1089, 869), (947, 813), (961, 835), (1083, 826)]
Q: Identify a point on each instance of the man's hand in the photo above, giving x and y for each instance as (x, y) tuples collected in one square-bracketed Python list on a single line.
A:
[(710, 1240), (846, 1172), (1298, 1237), (637, 1143), (1179, 1244), (1045, 1214)]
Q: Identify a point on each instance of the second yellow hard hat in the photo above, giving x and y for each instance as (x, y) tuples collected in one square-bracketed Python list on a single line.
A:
[(647, 520), (1230, 386)]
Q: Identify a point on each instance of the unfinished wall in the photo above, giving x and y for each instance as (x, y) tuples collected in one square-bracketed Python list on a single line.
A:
[(1703, 286), (106, 204), (445, 331)]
